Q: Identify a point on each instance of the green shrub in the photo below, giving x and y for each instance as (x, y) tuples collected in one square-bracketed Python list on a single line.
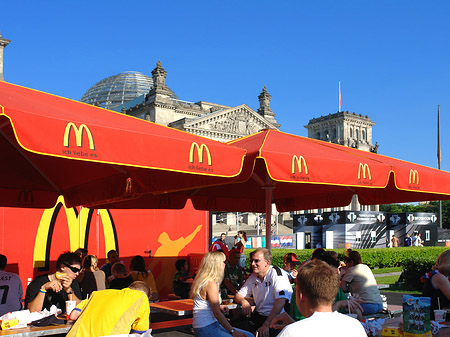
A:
[(374, 258), (414, 268)]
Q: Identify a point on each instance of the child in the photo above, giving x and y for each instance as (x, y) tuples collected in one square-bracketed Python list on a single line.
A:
[(180, 287)]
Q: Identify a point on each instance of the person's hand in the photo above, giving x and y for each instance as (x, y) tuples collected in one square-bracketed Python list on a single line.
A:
[(54, 285), (263, 331), (238, 334), (246, 308), (224, 308), (355, 305), (66, 282), (294, 273), (280, 321)]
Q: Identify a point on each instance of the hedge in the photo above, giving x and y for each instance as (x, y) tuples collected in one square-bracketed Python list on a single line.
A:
[(374, 258)]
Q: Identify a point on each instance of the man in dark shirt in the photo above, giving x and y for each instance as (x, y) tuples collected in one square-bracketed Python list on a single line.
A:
[(407, 241), (54, 289)]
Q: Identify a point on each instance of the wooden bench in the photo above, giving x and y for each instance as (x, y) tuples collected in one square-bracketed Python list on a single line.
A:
[(167, 325)]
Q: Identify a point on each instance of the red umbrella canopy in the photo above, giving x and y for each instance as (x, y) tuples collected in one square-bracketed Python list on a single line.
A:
[(54, 146), (303, 173)]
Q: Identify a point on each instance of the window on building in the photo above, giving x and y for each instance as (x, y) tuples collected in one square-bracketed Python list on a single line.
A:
[(317, 135), (357, 133), (351, 132), (358, 236), (334, 133), (427, 235), (373, 236), (363, 135)]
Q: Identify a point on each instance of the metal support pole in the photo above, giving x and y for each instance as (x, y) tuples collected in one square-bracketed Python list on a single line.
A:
[(268, 216)]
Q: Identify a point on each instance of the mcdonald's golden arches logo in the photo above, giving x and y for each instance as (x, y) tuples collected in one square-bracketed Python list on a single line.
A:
[(413, 177), (364, 168), (78, 135), (78, 224), (301, 162), (201, 149)]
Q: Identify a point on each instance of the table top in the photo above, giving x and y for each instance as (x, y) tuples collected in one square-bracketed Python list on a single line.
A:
[(444, 331), (33, 331), (179, 307)]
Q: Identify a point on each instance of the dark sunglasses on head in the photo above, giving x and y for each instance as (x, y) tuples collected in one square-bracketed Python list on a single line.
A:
[(73, 269), (254, 260)]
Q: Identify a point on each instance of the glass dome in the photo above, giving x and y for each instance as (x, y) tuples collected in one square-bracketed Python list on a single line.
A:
[(118, 89)]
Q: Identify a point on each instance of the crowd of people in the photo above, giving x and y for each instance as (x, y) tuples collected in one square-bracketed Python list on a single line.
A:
[(299, 298)]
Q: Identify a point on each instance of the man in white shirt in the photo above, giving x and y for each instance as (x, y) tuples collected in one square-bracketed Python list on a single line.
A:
[(317, 286), (271, 290), (11, 291)]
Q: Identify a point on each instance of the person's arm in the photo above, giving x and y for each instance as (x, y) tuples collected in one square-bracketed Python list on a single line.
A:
[(280, 321), (442, 283), (212, 295), (245, 305), (346, 280), (74, 314), (230, 286), (37, 303), (263, 331)]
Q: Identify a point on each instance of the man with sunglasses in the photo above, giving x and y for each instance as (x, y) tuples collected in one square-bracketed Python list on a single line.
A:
[(55, 289), (271, 290)]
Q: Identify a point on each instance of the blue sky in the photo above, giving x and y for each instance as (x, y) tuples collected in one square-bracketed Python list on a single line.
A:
[(392, 57)]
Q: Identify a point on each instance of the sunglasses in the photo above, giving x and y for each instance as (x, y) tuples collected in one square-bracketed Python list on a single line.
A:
[(73, 269), (254, 260)]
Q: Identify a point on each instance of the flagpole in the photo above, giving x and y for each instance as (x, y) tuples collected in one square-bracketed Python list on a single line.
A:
[(439, 163), (339, 96)]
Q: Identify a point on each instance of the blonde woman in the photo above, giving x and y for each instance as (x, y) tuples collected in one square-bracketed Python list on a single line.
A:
[(437, 285), (209, 321), (93, 278)]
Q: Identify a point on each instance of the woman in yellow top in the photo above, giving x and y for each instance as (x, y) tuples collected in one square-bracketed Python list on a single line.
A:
[(140, 273)]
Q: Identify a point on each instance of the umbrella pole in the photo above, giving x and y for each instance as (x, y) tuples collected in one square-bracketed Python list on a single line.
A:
[(269, 190)]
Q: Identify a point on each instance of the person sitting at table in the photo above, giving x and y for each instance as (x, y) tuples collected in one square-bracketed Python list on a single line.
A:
[(359, 279), (121, 278), (93, 278), (56, 288), (139, 272), (11, 284), (208, 319), (437, 285), (317, 284), (113, 257), (180, 286), (233, 275), (113, 312)]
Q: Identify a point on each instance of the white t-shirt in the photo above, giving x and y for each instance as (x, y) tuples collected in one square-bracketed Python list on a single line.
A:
[(325, 324), (10, 292), (274, 286)]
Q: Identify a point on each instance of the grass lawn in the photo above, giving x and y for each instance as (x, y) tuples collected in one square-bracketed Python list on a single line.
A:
[(387, 279), (386, 270)]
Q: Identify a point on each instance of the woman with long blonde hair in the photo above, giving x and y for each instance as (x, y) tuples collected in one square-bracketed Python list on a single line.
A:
[(208, 320)]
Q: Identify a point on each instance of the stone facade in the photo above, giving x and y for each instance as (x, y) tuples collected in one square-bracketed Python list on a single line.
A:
[(211, 120), (344, 128)]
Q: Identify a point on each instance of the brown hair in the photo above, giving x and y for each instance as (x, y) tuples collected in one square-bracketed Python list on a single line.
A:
[(354, 257), (443, 263), (318, 282), (119, 268), (267, 254)]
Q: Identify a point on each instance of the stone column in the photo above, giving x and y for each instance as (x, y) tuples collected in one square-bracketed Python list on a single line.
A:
[(3, 44)]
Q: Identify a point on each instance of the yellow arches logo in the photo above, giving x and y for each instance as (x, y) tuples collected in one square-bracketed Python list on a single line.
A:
[(78, 224), (78, 135), (364, 168), (413, 174), (299, 161), (200, 150)]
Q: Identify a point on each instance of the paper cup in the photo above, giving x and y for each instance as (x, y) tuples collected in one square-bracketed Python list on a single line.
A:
[(439, 315), (70, 305)]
